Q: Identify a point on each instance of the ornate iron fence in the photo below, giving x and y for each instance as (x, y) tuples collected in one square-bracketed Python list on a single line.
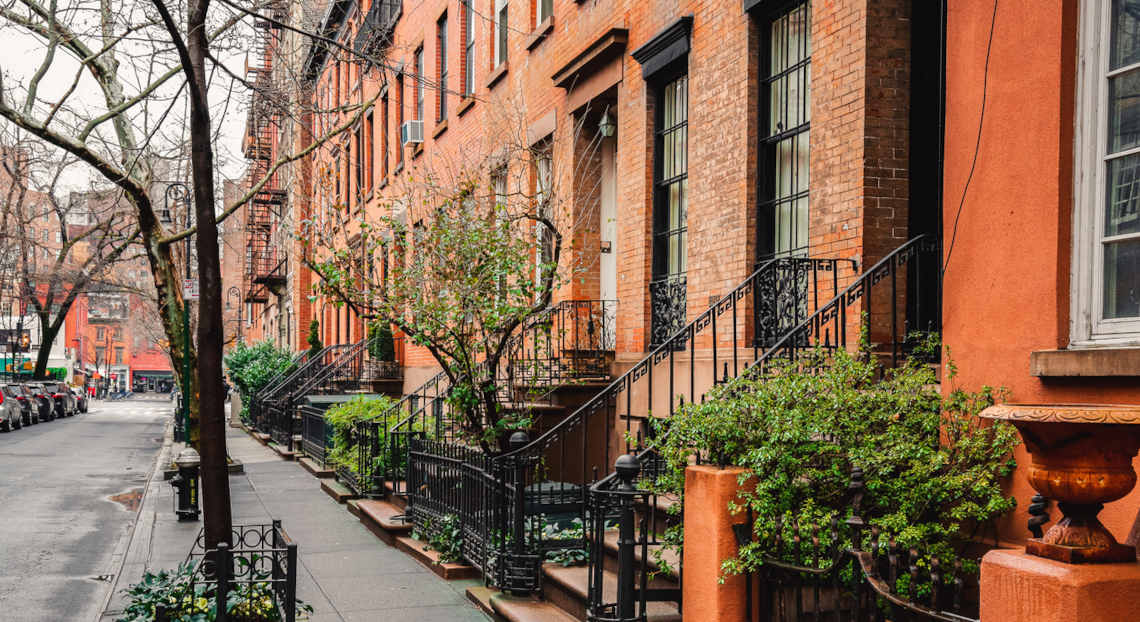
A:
[(316, 434), (261, 562), (256, 418)]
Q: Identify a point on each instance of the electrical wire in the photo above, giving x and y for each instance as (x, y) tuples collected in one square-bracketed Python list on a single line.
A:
[(977, 142)]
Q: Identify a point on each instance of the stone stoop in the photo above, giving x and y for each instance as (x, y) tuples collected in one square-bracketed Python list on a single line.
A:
[(285, 454), (315, 469), (261, 437), (449, 572), (506, 608), (384, 519), (338, 491), (566, 587)]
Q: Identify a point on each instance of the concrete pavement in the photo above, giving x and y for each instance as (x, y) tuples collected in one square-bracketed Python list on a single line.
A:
[(346, 573), (69, 493)]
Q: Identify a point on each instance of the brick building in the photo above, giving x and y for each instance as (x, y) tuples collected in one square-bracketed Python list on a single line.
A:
[(790, 124)]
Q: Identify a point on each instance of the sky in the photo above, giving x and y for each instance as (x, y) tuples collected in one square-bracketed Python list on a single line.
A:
[(23, 54)]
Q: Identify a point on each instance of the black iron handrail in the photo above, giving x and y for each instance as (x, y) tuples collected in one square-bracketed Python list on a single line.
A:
[(826, 327), (255, 400)]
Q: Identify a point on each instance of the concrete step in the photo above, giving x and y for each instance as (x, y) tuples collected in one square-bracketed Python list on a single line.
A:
[(526, 609), (384, 519), (418, 550), (566, 588), (338, 491), (312, 466), (285, 454), (672, 561)]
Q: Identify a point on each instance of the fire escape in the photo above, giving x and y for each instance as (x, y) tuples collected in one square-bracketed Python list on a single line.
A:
[(265, 267)]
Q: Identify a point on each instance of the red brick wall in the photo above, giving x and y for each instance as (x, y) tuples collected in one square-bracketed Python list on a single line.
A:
[(859, 131)]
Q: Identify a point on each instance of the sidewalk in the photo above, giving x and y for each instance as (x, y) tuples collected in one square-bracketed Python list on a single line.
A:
[(346, 573)]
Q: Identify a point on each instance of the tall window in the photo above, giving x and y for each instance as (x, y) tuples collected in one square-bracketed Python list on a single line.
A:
[(99, 335), (419, 62), (671, 189), (542, 10), (369, 151), (359, 162), (501, 28), (785, 122), (399, 117), (441, 69), (1106, 245), (544, 238), (468, 48), (384, 137)]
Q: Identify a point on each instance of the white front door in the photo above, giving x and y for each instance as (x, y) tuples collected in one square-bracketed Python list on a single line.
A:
[(608, 262)]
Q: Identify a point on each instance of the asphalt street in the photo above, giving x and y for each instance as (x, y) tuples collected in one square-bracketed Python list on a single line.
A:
[(69, 492)]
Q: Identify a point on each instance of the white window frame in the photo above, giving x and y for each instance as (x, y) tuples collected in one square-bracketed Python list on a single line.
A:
[(1088, 327), (500, 49), (542, 13)]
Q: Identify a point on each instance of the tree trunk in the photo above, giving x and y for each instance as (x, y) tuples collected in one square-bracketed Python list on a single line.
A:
[(215, 478), (48, 333)]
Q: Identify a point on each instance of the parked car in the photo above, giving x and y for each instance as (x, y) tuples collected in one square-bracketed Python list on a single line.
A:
[(80, 394), (42, 399), (10, 417), (29, 411), (62, 397)]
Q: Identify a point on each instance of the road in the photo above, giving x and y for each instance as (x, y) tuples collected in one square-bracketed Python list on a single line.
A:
[(69, 493)]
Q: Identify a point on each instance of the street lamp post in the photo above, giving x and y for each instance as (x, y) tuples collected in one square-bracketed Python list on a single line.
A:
[(177, 192), (234, 291)]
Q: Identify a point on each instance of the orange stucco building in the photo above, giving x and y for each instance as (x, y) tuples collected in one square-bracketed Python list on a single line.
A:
[(1035, 202)]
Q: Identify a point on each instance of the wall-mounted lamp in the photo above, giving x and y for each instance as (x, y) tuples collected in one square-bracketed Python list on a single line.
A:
[(606, 127)]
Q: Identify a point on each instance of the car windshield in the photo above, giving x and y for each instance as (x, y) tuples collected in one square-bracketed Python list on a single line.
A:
[(12, 390), (35, 388)]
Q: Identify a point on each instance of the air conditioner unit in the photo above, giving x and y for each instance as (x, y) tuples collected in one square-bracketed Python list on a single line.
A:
[(411, 132)]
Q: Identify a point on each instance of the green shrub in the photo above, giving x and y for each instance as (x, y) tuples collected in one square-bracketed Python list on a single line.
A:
[(314, 339), (251, 367), (342, 417), (381, 343), (444, 536), (189, 601), (932, 469)]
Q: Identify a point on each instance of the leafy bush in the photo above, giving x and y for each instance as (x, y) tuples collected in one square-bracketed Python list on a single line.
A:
[(444, 537), (189, 601), (932, 469), (343, 417), (251, 367), (381, 343)]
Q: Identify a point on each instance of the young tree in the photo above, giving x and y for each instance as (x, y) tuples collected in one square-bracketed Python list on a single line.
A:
[(483, 255)]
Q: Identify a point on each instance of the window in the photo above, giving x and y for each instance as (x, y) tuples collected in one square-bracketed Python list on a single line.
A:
[(501, 27), (544, 239), (117, 334), (99, 335), (785, 120), (360, 163), (384, 137), (1106, 244), (670, 208), (419, 64), (100, 355), (441, 69), (399, 118), (58, 237), (118, 355), (369, 151), (542, 10), (336, 187), (43, 235), (468, 48)]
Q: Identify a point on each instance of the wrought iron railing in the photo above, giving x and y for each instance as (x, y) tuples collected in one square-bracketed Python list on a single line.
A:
[(668, 307), (316, 434), (261, 563), (570, 341), (281, 404), (352, 371), (871, 312), (566, 458), (272, 392)]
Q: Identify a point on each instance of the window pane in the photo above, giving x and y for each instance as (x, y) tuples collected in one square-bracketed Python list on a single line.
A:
[(1125, 33), (1124, 111), (1123, 196), (1122, 280)]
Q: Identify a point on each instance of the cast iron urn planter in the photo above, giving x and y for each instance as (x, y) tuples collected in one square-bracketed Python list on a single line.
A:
[(1082, 458)]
